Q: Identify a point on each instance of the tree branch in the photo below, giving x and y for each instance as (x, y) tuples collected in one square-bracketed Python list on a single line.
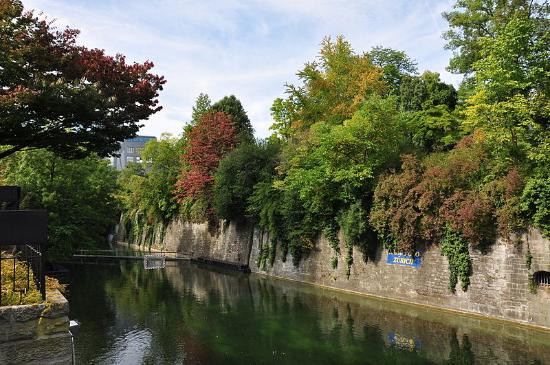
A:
[(10, 151)]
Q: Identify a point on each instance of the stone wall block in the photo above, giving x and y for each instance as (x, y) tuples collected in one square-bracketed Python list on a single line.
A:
[(36, 333)]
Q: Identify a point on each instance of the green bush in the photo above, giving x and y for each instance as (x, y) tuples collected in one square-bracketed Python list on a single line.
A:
[(237, 174)]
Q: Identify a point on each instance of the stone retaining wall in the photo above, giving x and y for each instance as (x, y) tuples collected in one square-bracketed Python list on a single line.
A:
[(224, 241), (36, 333)]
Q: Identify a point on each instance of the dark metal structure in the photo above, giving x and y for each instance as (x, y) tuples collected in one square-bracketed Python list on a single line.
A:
[(23, 237), (10, 197), (542, 278)]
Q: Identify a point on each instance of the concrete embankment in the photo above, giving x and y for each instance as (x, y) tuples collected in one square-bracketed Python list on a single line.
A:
[(36, 333)]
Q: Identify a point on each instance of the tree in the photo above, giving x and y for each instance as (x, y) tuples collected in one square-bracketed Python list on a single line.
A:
[(201, 107), (237, 174), (511, 102), (433, 130), (334, 88), (145, 190), (338, 164), (430, 120), (471, 21), (395, 65), (334, 168), (425, 91), (78, 195), (208, 142), (232, 107), (162, 162), (66, 98)]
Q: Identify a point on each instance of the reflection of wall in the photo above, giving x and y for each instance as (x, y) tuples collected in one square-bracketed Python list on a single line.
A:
[(349, 320), (227, 287), (438, 333), (499, 282)]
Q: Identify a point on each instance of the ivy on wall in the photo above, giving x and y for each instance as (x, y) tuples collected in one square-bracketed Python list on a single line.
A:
[(455, 248)]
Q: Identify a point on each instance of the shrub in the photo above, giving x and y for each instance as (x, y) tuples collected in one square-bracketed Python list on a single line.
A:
[(237, 174)]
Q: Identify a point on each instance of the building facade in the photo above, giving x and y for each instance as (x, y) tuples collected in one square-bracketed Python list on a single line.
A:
[(130, 151)]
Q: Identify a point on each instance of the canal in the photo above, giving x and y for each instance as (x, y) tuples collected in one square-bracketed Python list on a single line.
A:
[(192, 314)]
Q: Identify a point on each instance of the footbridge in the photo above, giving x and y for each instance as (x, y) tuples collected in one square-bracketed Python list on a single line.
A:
[(153, 257)]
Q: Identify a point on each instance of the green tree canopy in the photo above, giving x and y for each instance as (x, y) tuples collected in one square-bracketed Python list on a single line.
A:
[(511, 104), (203, 104), (333, 88), (237, 174), (232, 106), (425, 91), (471, 21), (395, 64)]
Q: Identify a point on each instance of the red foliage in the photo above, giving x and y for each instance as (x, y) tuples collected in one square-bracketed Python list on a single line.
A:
[(469, 213), (64, 97), (192, 183), (505, 192), (416, 205), (209, 141)]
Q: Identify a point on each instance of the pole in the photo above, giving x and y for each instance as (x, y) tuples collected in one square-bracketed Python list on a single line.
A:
[(42, 274), (0, 277)]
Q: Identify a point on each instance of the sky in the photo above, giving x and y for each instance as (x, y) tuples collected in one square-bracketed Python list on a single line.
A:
[(248, 48)]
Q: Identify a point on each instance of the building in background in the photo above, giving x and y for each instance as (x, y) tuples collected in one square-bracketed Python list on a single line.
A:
[(130, 151)]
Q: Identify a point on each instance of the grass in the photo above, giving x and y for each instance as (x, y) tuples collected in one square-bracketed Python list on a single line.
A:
[(21, 295)]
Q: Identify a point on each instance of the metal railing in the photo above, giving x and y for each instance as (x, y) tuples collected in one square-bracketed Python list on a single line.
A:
[(32, 270), (542, 278), (23, 237), (114, 253)]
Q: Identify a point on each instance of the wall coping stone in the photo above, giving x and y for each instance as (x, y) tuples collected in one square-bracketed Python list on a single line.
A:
[(33, 321)]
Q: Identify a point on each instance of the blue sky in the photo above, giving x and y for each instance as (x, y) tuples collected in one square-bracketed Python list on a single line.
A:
[(249, 48)]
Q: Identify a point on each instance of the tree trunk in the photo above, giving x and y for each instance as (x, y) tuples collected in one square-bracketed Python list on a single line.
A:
[(10, 151)]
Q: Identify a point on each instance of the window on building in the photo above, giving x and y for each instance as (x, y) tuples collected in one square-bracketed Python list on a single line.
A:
[(542, 278), (130, 149), (129, 159)]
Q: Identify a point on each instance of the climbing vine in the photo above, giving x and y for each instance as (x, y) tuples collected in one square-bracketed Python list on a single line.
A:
[(528, 259), (455, 248), (267, 252), (353, 222), (330, 231)]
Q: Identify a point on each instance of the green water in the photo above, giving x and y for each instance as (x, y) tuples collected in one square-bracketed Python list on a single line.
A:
[(189, 314)]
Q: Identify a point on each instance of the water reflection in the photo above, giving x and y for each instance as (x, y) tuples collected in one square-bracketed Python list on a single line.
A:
[(197, 315)]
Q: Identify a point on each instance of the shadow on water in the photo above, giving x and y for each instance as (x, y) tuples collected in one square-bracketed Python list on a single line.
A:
[(201, 315)]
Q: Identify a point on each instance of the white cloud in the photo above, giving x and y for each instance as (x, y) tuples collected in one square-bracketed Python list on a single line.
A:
[(246, 48)]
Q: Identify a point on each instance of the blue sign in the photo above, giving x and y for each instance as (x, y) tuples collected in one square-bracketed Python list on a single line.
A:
[(404, 260)]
